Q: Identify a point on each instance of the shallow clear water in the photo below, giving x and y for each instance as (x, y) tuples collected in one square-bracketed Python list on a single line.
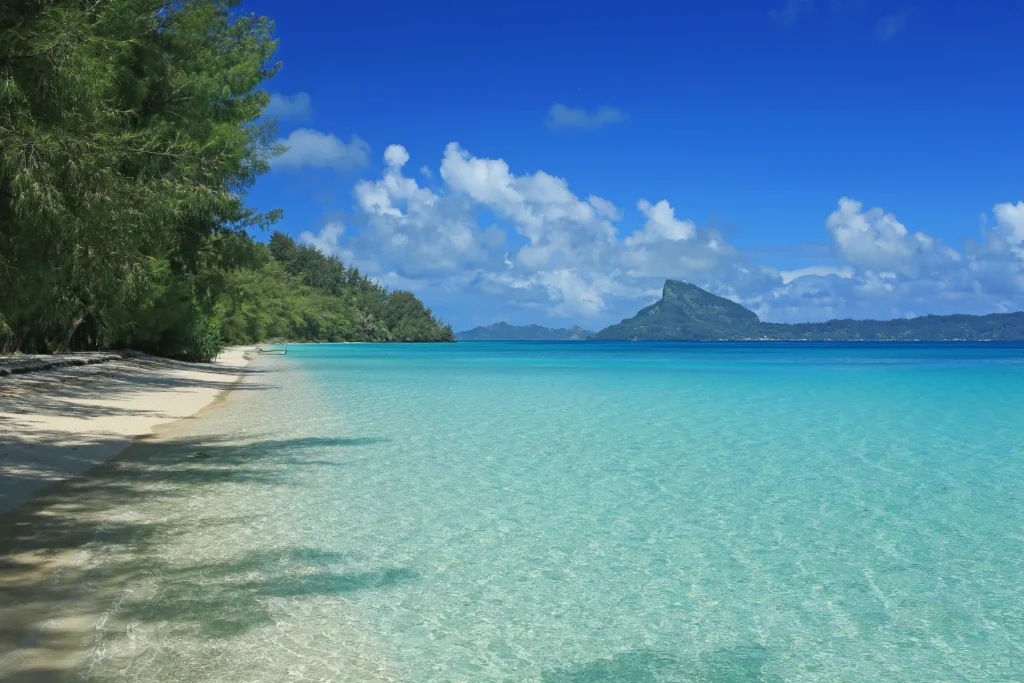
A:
[(588, 513)]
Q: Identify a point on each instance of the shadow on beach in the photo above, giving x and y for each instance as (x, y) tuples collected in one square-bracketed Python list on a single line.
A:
[(61, 394), (61, 423), (68, 557)]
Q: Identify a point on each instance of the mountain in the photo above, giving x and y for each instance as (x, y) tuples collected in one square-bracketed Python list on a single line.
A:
[(505, 332), (688, 313)]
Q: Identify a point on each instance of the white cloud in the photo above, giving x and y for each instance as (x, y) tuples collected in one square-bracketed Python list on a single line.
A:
[(666, 247), (327, 240), (816, 271), (529, 241), (380, 197), (309, 148), (1010, 221), (411, 231), (996, 265), (605, 207), (426, 172), (577, 293), (875, 240), (395, 156), (661, 225), (569, 260), (891, 272), (297, 106), (561, 228), (572, 293), (562, 117), (564, 292)]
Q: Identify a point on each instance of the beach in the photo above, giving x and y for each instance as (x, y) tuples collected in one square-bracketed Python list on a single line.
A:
[(60, 430), (56, 424)]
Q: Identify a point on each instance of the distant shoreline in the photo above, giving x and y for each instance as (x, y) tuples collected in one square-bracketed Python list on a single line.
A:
[(738, 341)]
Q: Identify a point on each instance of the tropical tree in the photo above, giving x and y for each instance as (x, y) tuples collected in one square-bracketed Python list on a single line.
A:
[(130, 133), (131, 130)]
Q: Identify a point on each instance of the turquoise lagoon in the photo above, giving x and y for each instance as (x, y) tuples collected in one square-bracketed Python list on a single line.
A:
[(584, 513)]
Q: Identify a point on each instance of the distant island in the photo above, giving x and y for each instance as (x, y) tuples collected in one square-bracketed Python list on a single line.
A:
[(688, 313), (504, 332)]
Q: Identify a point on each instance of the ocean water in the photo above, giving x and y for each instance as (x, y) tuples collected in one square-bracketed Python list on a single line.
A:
[(578, 513)]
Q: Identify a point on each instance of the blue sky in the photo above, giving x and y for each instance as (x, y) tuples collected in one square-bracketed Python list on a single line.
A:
[(555, 162)]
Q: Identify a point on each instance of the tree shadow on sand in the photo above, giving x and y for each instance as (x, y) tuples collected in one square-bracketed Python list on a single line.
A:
[(51, 599), (73, 395)]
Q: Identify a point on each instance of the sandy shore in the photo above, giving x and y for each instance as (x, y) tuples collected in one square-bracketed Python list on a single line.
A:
[(155, 564), (57, 585), (56, 424)]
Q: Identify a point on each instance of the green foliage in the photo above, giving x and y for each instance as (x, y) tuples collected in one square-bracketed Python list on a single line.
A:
[(688, 313), (130, 132), (204, 341), (297, 293)]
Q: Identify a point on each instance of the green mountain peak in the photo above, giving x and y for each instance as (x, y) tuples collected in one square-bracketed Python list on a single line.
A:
[(686, 312)]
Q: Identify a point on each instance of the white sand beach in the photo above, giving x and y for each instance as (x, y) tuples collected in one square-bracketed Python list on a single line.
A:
[(56, 424)]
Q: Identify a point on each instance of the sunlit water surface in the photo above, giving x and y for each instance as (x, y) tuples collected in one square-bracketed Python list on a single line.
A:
[(588, 513)]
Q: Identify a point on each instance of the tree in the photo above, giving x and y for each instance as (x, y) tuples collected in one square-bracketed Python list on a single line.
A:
[(301, 294), (130, 132)]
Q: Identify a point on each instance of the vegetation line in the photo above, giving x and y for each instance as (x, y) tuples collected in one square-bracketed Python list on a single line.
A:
[(130, 133)]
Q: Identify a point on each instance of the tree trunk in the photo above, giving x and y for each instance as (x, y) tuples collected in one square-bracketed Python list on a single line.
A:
[(21, 340), (71, 333)]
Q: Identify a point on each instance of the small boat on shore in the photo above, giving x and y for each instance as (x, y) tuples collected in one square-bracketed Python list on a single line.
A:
[(271, 352)]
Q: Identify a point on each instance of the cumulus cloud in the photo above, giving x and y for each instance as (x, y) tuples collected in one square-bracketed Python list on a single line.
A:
[(875, 240), (1010, 221), (328, 240), (297, 106), (667, 247), (573, 291), (661, 225), (528, 240), (561, 228), (565, 292), (395, 156), (605, 207), (411, 231), (563, 117), (888, 271), (308, 148)]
